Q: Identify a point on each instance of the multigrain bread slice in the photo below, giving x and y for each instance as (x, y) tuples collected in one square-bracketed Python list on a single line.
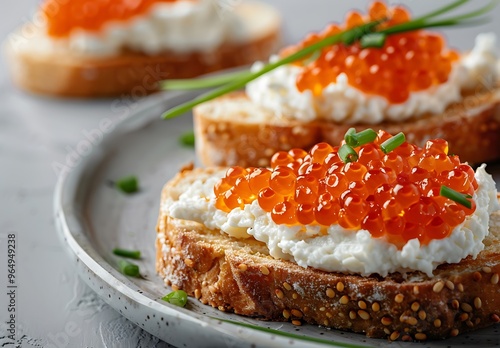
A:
[(241, 277), (67, 74), (232, 130)]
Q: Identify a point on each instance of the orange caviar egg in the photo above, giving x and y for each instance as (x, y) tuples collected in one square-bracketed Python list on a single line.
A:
[(65, 16), (408, 62), (305, 214), (395, 196), (282, 181), (267, 199), (258, 180), (320, 151), (327, 210), (281, 158), (284, 213), (374, 223)]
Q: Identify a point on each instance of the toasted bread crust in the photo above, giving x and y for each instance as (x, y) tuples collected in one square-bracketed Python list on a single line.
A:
[(471, 127), (131, 72), (241, 277)]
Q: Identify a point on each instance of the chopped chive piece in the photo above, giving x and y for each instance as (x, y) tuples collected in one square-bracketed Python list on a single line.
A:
[(128, 184), (128, 268), (456, 196), (376, 40), (348, 137), (392, 143), (361, 138), (347, 154), (187, 139), (350, 131), (178, 298), (131, 254)]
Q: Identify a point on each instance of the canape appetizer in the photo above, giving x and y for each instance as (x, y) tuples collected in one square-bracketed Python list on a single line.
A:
[(95, 48), (376, 236)]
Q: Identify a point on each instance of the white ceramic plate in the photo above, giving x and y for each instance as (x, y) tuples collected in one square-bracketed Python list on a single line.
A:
[(94, 218)]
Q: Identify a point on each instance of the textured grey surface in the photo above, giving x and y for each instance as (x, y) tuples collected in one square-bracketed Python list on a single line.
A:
[(54, 308)]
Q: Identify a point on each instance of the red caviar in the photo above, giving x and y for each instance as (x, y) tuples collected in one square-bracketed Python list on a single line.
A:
[(408, 62), (391, 195), (64, 16)]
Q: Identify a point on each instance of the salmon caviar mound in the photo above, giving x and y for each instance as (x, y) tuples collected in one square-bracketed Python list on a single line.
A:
[(65, 16), (408, 62), (394, 195)]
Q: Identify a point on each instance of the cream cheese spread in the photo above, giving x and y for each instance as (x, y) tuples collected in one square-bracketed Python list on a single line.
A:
[(181, 26), (340, 102), (339, 250)]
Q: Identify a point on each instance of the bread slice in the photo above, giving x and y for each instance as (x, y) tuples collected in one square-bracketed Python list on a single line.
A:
[(232, 130), (38, 69), (241, 277)]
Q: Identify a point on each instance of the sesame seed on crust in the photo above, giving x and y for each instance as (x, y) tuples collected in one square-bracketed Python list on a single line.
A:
[(330, 293), (438, 286)]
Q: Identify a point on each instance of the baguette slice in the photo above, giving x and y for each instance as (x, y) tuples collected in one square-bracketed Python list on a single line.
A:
[(232, 130), (38, 69), (241, 277)]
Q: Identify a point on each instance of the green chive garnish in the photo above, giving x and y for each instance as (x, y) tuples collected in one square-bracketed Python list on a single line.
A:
[(131, 254), (392, 143), (361, 138), (376, 40), (281, 333), (128, 184), (368, 34), (348, 136), (351, 36), (456, 196), (128, 268), (202, 82), (347, 154), (178, 298), (187, 139)]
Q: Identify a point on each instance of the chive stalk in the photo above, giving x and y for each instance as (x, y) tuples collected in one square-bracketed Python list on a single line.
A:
[(392, 143), (456, 196), (202, 82), (131, 254), (292, 335)]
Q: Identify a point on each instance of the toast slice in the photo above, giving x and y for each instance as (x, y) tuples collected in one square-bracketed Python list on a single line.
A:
[(232, 130), (38, 69), (241, 277)]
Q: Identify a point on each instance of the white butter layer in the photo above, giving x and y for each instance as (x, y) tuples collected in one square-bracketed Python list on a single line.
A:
[(339, 102), (339, 250)]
